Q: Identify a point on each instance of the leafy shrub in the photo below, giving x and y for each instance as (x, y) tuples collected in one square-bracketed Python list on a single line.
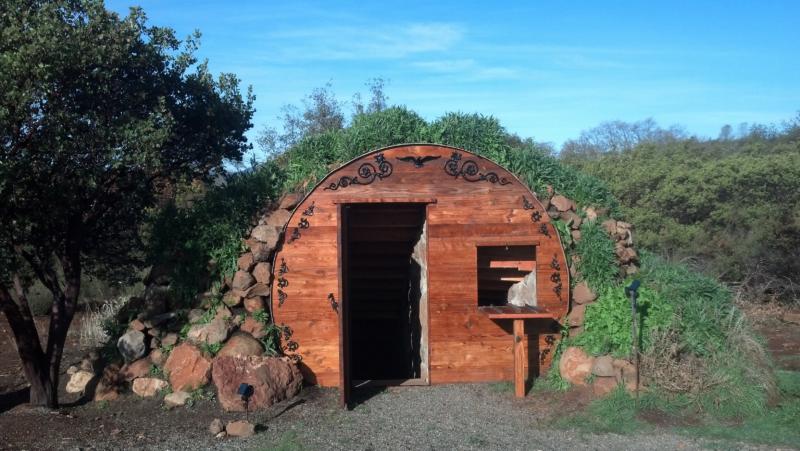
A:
[(598, 263), (607, 324)]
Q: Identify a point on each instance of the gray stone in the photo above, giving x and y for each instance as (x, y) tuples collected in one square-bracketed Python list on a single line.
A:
[(240, 428), (216, 426), (603, 366), (523, 292), (132, 345)]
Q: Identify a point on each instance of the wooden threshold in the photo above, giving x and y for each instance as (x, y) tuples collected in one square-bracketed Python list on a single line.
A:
[(389, 382)]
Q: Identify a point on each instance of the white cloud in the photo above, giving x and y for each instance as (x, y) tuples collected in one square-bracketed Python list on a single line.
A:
[(363, 42)]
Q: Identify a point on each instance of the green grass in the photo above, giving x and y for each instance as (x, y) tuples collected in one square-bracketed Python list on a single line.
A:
[(619, 413)]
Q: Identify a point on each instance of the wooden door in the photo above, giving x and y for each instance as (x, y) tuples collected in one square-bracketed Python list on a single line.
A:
[(345, 379)]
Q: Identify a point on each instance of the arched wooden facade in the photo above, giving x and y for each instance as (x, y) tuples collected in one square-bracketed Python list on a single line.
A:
[(468, 206)]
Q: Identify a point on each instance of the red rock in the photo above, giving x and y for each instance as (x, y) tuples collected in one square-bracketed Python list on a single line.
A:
[(254, 304), (591, 213), (575, 365), (273, 379), (137, 325), (576, 315), (110, 384), (253, 327), (261, 252), (245, 261), (187, 368), (582, 294), (139, 368), (242, 280), (241, 344), (278, 218), (262, 272), (576, 235), (628, 255), (290, 200), (240, 428), (266, 234), (562, 203), (259, 289), (157, 357)]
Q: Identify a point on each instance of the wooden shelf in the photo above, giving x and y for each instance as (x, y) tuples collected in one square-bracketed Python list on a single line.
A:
[(514, 312)]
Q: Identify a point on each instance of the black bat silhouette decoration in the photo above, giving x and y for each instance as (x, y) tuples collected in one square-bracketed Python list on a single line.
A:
[(419, 161)]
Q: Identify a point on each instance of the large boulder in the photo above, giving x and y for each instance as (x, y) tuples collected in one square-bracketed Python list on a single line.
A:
[(187, 368), (241, 344), (147, 387), (575, 365), (602, 386), (266, 234), (273, 379), (132, 345), (582, 294)]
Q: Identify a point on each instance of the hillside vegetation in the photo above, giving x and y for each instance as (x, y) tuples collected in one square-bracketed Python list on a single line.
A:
[(732, 205)]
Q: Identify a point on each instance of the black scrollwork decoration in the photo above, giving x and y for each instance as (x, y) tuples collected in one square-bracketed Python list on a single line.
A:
[(557, 290), (554, 263), (536, 216), (555, 277), (526, 204), (282, 282), (334, 304), (309, 211), (303, 224), (544, 230), (367, 173), (469, 171), (419, 161)]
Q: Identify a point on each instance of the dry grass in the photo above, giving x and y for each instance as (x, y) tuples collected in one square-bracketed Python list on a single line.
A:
[(93, 331)]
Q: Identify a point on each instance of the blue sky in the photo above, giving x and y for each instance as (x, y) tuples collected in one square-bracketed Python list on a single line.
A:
[(546, 69)]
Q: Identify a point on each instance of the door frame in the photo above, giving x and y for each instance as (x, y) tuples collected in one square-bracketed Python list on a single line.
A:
[(346, 382)]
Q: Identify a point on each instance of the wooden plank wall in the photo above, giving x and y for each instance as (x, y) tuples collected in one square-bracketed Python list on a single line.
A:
[(464, 345)]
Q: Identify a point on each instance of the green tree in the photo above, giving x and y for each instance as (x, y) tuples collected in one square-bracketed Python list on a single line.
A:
[(98, 113)]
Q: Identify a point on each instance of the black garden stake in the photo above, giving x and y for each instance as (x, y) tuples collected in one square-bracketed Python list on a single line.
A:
[(632, 292)]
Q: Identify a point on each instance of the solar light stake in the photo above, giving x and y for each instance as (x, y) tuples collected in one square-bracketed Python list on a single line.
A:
[(245, 391), (632, 292)]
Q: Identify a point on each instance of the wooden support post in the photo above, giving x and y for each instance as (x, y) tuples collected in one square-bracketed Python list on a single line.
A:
[(520, 357)]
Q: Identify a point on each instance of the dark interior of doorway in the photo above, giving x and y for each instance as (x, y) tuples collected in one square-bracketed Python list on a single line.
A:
[(383, 282)]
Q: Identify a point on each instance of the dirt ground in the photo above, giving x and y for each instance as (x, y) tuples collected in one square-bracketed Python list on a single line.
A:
[(467, 416)]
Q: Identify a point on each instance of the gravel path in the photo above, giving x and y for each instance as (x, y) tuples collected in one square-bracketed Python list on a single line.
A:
[(468, 417)]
